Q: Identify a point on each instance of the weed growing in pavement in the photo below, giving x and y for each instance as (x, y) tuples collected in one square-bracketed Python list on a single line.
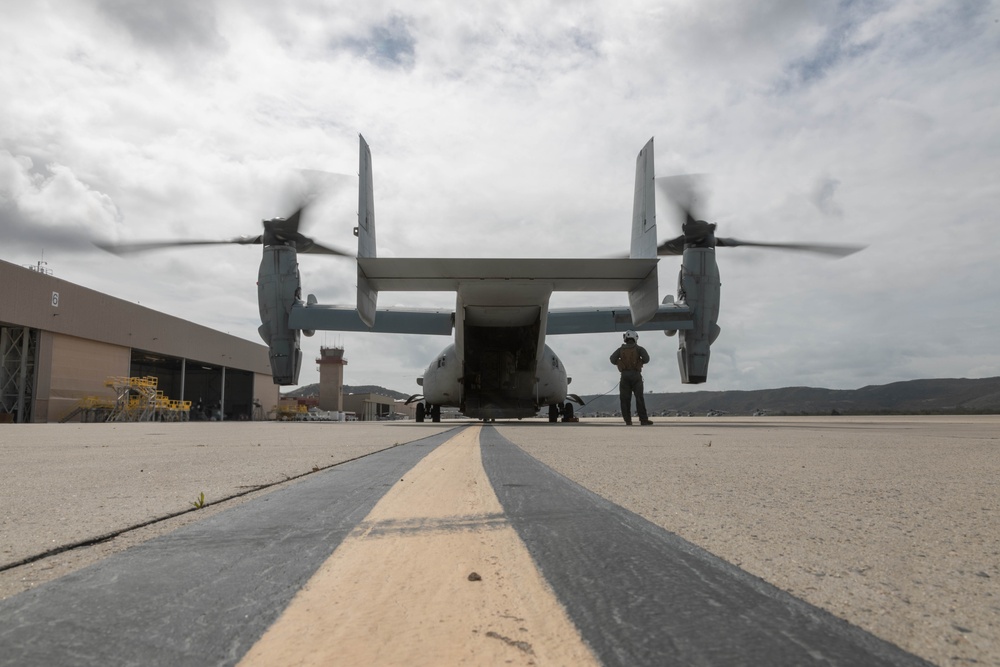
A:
[(198, 504)]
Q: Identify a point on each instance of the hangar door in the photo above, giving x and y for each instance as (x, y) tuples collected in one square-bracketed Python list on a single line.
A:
[(216, 393)]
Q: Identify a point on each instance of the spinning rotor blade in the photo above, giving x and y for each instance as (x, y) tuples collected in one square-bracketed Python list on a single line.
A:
[(676, 246), (686, 194), (822, 248), (685, 191), (286, 230), (143, 246), (277, 231), (308, 245), (671, 247)]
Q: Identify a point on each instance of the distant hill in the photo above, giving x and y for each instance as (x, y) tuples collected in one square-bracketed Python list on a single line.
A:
[(942, 396)]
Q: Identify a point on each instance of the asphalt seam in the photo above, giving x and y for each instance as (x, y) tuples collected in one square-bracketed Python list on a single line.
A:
[(204, 593), (107, 537)]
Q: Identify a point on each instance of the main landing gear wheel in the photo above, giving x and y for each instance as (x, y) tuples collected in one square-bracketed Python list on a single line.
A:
[(421, 412), (553, 413), (436, 414)]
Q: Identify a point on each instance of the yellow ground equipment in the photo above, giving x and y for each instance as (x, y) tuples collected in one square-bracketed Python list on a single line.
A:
[(138, 400)]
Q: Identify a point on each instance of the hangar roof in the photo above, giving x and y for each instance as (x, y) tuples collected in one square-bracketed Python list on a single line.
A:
[(33, 299)]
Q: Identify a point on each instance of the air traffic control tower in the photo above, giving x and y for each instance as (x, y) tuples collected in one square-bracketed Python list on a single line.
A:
[(331, 378)]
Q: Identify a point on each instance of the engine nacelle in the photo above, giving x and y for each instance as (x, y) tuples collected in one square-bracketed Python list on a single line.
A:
[(699, 286), (278, 289)]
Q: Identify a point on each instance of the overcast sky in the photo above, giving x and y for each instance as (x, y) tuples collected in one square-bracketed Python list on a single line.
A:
[(506, 129)]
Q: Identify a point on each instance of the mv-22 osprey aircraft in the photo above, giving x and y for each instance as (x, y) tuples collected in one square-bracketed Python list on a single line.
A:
[(499, 365)]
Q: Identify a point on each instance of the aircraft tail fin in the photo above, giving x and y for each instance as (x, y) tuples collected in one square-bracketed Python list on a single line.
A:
[(644, 299), (365, 231)]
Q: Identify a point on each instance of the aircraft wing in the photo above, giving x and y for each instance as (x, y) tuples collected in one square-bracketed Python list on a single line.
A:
[(406, 274), (316, 317), (393, 274), (668, 316)]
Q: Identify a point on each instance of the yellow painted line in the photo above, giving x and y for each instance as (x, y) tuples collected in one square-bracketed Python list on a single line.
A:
[(397, 591)]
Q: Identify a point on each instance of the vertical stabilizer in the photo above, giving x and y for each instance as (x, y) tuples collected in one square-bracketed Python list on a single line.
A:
[(644, 206), (365, 231), (366, 203), (644, 299)]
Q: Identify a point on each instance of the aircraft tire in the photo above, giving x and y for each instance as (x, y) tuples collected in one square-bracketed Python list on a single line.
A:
[(421, 413), (553, 413), (436, 414), (568, 412)]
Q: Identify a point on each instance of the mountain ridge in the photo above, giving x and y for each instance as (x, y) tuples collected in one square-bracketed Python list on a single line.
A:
[(926, 396)]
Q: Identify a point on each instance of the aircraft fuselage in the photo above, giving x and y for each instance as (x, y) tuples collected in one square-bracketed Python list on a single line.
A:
[(499, 365)]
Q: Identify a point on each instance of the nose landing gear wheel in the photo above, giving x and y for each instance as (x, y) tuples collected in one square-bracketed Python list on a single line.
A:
[(436, 414), (421, 412), (568, 412), (553, 413)]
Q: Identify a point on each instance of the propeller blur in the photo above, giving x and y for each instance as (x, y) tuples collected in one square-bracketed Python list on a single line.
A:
[(499, 364)]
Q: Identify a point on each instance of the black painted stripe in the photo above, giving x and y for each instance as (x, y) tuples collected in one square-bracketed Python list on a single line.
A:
[(641, 595), (205, 593)]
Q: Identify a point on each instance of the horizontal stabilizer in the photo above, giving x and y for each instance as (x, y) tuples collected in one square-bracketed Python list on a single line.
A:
[(411, 274), (668, 317), (389, 320)]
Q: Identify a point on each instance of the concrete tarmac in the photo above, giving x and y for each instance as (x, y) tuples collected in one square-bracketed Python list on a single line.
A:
[(892, 523), (107, 487), (889, 523)]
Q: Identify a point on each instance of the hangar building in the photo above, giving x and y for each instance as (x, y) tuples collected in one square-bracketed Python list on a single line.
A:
[(60, 342)]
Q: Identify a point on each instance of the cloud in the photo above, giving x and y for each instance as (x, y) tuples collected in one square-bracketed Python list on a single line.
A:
[(185, 29), (388, 44), (823, 197), (50, 208), (511, 129)]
